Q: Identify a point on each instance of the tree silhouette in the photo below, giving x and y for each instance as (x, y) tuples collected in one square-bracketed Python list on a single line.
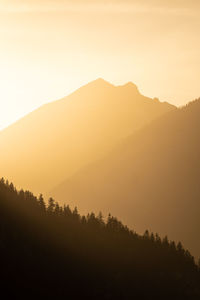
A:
[(52, 251)]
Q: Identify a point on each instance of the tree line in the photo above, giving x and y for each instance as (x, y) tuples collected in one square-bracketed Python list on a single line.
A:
[(52, 251)]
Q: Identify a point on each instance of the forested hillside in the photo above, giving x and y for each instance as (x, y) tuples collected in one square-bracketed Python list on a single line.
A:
[(51, 251)]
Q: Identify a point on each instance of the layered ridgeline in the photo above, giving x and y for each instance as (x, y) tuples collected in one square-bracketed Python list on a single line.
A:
[(51, 143), (151, 180), (51, 251)]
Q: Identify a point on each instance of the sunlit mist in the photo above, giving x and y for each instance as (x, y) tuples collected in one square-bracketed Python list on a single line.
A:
[(51, 48)]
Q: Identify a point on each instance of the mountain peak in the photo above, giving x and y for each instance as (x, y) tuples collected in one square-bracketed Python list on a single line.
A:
[(131, 87), (130, 84), (100, 80), (100, 83)]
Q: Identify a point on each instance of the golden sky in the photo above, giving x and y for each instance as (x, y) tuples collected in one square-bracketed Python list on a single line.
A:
[(49, 48)]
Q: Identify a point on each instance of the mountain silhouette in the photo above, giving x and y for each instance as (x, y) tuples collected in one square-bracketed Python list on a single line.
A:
[(151, 180), (53, 142)]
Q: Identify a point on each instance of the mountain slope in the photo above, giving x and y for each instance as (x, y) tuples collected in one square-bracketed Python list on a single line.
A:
[(150, 181), (53, 142), (52, 252)]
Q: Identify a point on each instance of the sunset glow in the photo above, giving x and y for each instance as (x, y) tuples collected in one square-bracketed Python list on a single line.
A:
[(50, 48), (99, 149)]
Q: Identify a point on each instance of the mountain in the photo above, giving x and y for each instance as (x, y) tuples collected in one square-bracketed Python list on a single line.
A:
[(151, 180), (53, 142), (52, 252)]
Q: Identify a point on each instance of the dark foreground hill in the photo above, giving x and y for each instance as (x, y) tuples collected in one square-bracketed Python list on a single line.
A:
[(150, 181), (53, 252)]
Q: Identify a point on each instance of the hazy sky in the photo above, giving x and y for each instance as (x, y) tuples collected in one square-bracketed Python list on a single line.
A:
[(48, 48)]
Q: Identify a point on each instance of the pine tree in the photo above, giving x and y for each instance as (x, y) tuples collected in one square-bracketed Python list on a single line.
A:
[(42, 203), (51, 205)]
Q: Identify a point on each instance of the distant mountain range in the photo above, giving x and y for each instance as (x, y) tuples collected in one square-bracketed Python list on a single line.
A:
[(151, 180), (52, 143)]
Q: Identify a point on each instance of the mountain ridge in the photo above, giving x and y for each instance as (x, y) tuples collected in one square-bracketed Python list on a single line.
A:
[(62, 136), (150, 180), (52, 250)]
